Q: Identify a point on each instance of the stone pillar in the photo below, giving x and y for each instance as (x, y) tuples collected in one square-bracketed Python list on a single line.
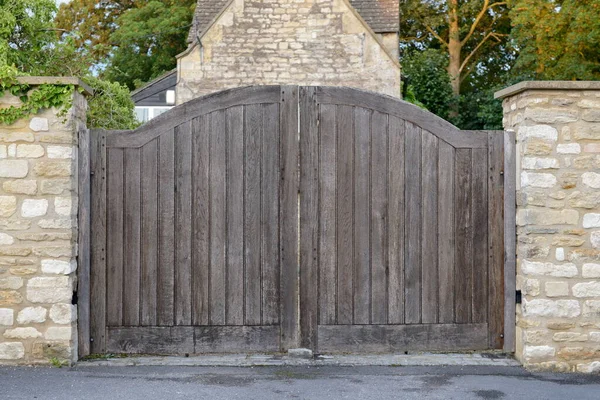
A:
[(38, 231), (557, 126)]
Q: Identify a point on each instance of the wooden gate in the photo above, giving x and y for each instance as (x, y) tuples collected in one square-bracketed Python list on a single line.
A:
[(198, 244), (194, 234), (401, 221)]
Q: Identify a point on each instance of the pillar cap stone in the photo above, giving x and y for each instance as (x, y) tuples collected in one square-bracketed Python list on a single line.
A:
[(546, 85), (56, 80)]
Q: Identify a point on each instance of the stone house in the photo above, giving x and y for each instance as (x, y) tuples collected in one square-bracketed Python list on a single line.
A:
[(236, 43)]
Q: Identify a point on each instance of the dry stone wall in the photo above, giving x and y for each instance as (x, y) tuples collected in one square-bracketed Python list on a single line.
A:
[(557, 126), (38, 235), (297, 42)]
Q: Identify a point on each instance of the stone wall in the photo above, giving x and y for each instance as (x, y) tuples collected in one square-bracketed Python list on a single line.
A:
[(557, 125), (299, 42), (38, 233)]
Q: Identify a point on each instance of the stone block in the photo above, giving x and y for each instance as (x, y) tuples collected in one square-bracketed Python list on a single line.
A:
[(551, 308), (533, 268), (11, 282), (56, 223), (14, 136), (570, 337), (58, 267), (48, 350), (22, 333), (53, 169), (539, 163), (20, 187), (12, 351), (591, 179), (10, 298), (38, 124), (59, 333), (30, 151), (32, 208), (587, 289), (589, 368), (591, 220), (49, 290), (591, 309), (31, 315), (56, 186), (7, 316), (547, 217), (538, 180), (63, 205), (13, 168), (60, 152), (536, 353), (8, 206), (570, 148), (546, 132), (557, 289), (551, 115), (590, 270), (6, 239), (63, 313)]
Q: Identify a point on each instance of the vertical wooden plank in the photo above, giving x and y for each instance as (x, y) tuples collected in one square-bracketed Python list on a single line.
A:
[(98, 239), (252, 198), (183, 231), (166, 230), (83, 243), (446, 232), (201, 220), (270, 214), (429, 245), (379, 215), (288, 220), (327, 214), (396, 221), (362, 213), (149, 203), (114, 245), (510, 238), (412, 218), (344, 218), (218, 223), (234, 118), (132, 238), (463, 271), (311, 295), (480, 235), (496, 238)]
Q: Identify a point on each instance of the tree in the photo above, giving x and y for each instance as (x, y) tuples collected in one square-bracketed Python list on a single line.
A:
[(91, 22), (557, 39), (467, 30), (148, 39), (25, 32), (29, 45), (111, 106), (425, 74)]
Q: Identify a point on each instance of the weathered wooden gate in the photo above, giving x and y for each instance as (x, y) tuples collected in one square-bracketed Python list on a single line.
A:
[(198, 244), (401, 221)]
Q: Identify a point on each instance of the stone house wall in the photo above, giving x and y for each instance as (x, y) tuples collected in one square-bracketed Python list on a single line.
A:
[(557, 126), (299, 42), (38, 233)]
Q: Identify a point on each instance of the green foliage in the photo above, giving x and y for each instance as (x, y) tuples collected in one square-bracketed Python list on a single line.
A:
[(25, 31), (111, 106), (425, 73), (33, 100), (148, 39), (58, 363), (557, 39)]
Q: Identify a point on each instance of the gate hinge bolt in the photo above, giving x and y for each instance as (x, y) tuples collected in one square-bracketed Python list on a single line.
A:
[(91, 339), (501, 172)]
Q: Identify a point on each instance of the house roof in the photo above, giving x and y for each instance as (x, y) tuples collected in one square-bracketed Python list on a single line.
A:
[(163, 82), (381, 15)]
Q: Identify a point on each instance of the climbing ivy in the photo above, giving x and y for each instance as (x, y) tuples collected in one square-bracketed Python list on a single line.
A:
[(32, 99)]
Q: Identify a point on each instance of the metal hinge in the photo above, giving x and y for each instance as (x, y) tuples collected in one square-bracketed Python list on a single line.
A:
[(518, 297)]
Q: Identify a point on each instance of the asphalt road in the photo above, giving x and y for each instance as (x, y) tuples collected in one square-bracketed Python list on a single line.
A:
[(378, 383)]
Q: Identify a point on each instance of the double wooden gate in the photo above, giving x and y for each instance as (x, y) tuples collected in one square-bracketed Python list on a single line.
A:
[(268, 218)]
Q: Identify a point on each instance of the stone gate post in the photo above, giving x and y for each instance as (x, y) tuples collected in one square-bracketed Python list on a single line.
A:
[(557, 127), (38, 230)]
